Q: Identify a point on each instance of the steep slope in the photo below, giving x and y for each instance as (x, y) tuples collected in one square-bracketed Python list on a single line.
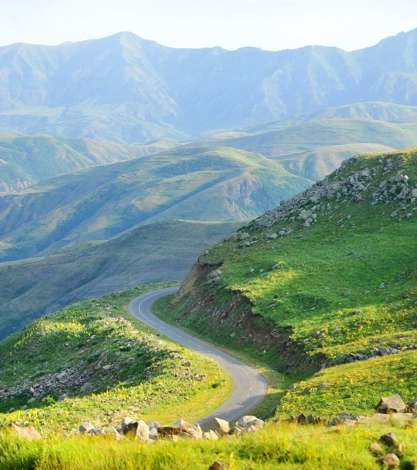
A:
[(128, 89), (326, 280), (94, 362), (155, 252), (215, 184), (25, 160)]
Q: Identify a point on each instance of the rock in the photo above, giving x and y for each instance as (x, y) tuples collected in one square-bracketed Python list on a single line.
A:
[(391, 461), (376, 448), (389, 439), (193, 430), (129, 427), (142, 431), (249, 424), (217, 466), (210, 435), (392, 404), (345, 419), (29, 433), (220, 426), (87, 428), (412, 405), (168, 431)]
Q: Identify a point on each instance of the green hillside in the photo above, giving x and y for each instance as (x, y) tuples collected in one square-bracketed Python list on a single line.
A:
[(215, 184), (156, 252), (315, 146), (25, 160), (325, 281), (93, 362)]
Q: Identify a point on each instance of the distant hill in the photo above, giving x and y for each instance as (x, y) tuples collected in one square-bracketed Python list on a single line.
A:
[(128, 89), (27, 160), (313, 147), (216, 184), (323, 285), (157, 252)]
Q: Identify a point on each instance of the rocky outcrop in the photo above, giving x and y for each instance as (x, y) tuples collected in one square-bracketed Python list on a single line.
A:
[(381, 184)]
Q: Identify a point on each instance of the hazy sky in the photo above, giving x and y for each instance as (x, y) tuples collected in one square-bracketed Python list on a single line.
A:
[(270, 24)]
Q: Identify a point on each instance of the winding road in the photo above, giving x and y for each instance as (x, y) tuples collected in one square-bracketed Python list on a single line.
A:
[(249, 386)]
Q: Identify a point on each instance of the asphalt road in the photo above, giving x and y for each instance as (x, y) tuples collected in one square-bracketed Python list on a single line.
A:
[(249, 386)]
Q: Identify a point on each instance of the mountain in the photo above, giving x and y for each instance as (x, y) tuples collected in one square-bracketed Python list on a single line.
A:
[(128, 89), (191, 183), (322, 288), (156, 252), (27, 160)]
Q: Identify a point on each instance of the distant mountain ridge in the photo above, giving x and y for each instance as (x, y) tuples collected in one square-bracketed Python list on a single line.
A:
[(128, 89)]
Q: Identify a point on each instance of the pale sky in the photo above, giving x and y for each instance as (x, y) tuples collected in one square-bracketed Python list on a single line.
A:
[(269, 24)]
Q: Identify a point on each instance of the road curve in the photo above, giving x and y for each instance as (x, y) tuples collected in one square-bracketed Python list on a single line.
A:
[(249, 386)]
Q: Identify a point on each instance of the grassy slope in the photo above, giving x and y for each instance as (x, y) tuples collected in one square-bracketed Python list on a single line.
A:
[(346, 285), (315, 147), (155, 252), (277, 447), (217, 184), (25, 160), (131, 372)]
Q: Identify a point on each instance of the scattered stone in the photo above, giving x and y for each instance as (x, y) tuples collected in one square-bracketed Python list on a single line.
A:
[(392, 404), (87, 428), (391, 461), (248, 424), (210, 435), (345, 419), (389, 439), (376, 448), (220, 426)]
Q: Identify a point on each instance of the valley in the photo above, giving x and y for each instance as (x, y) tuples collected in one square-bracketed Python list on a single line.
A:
[(208, 256)]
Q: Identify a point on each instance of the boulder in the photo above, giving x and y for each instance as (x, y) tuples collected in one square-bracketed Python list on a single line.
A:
[(217, 466), (87, 428), (345, 419), (210, 435), (392, 404), (169, 431), (249, 424), (376, 448), (142, 431), (391, 461), (220, 426), (389, 439), (29, 433), (192, 430)]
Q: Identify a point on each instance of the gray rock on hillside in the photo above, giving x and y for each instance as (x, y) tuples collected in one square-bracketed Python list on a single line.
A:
[(220, 426), (392, 404), (248, 424)]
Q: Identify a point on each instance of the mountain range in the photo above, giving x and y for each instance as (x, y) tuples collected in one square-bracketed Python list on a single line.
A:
[(128, 89)]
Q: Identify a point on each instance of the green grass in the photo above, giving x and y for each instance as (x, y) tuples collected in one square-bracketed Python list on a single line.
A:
[(345, 285), (278, 446), (130, 371)]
